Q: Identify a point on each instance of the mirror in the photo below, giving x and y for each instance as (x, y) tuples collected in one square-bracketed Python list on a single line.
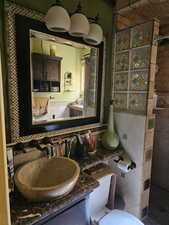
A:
[(59, 78), (64, 78)]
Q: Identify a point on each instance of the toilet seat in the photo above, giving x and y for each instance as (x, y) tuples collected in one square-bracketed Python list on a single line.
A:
[(118, 217)]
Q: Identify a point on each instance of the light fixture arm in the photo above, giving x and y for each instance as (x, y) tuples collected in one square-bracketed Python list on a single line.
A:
[(79, 8), (58, 3), (94, 19)]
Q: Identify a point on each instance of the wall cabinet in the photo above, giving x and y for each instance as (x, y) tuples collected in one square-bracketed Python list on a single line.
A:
[(46, 73)]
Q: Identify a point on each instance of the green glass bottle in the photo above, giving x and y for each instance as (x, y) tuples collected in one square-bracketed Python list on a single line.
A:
[(110, 139)]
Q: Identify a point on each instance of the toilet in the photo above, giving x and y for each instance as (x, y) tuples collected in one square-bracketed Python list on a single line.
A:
[(100, 214)]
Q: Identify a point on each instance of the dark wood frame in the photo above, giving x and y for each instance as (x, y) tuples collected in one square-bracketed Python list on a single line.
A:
[(23, 26)]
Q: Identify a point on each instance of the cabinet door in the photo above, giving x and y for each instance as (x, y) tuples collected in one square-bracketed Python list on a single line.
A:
[(76, 215), (37, 66), (52, 69)]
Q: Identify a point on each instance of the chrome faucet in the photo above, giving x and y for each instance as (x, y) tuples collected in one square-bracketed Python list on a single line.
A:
[(49, 150), (45, 146)]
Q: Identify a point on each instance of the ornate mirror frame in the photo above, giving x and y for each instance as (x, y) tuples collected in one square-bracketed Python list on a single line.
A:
[(21, 126)]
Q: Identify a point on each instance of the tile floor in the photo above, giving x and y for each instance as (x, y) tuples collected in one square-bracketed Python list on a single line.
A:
[(159, 207), (149, 221)]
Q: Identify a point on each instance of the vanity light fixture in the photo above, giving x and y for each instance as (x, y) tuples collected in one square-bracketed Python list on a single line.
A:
[(79, 23), (95, 35), (57, 18)]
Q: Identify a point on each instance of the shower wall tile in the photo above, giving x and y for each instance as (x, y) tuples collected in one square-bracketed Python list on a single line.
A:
[(122, 62), (135, 57), (137, 102), (140, 58), (138, 81), (123, 40), (142, 35), (120, 101), (121, 81)]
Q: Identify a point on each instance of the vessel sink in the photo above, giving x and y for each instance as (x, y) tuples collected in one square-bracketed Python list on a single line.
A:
[(45, 179)]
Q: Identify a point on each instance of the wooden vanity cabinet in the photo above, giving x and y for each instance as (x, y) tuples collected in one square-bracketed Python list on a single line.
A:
[(76, 214)]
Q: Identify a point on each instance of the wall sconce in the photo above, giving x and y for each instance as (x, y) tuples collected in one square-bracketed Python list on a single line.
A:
[(95, 35), (79, 23), (57, 18)]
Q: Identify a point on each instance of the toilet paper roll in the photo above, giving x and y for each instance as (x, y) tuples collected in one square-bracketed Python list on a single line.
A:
[(124, 165)]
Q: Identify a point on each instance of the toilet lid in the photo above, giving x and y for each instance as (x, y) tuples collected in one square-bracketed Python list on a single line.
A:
[(118, 217)]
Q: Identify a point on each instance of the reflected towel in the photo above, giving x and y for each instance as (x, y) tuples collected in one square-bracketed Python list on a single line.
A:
[(39, 106)]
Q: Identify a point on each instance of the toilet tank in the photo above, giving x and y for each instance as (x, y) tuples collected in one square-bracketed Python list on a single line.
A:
[(99, 197)]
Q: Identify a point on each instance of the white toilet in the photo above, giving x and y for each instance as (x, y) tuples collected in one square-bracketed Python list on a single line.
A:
[(100, 215)]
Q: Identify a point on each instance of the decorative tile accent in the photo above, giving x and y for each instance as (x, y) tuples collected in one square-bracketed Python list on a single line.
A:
[(139, 81), (122, 61), (142, 35), (120, 101), (149, 137), (147, 170), (123, 40), (151, 123), (146, 184), (145, 198), (144, 212), (137, 102), (148, 155), (140, 58), (124, 137), (121, 81)]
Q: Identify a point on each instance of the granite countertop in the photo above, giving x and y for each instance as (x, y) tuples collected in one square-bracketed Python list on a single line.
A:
[(100, 156), (20, 207)]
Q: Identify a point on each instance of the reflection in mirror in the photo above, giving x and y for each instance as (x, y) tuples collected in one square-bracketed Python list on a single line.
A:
[(64, 78)]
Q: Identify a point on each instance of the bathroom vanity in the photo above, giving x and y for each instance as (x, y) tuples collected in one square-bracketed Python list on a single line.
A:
[(69, 210)]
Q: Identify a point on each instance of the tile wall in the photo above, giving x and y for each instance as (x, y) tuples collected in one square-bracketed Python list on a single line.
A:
[(131, 68), (134, 60)]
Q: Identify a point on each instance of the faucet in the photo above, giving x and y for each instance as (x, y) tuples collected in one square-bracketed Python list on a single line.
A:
[(48, 147), (45, 146)]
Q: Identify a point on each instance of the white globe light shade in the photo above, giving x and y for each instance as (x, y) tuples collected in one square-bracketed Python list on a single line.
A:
[(95, 35), (57, 19), (79, 25)]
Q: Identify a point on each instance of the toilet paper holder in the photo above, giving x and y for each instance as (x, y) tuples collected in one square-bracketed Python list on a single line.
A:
[(124, 162)]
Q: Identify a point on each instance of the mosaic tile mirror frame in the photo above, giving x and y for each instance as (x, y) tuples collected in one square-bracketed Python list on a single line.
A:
[(11, 9)]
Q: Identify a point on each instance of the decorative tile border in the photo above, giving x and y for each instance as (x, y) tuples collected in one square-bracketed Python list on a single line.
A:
[(11, 10)]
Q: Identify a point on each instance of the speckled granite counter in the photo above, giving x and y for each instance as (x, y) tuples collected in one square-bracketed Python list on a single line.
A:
[(21, 207), (100, 156)]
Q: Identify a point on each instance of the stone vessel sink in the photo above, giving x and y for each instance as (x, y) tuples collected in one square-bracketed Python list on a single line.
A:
[(45, 179)]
